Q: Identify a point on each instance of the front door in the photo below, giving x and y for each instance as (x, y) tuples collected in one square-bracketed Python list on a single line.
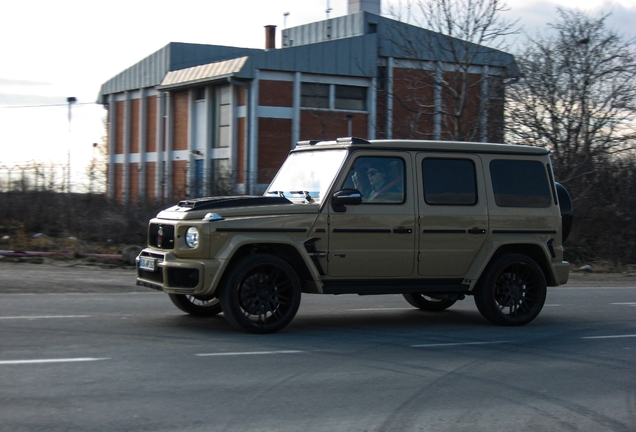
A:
[(377, 237)]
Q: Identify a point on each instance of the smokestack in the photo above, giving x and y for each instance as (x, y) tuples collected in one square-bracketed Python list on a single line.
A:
[(270, 37)]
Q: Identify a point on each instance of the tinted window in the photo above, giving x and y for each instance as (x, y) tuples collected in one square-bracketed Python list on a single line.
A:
[(379, 179), (520, 183), (449, 182)]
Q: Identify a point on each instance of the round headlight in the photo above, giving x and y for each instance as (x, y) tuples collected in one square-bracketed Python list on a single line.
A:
[(192, 237)]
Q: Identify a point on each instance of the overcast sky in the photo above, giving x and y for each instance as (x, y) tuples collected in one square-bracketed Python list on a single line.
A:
[(51, 50)]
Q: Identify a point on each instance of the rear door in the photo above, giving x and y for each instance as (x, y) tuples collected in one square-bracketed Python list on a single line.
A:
[(452, 213)]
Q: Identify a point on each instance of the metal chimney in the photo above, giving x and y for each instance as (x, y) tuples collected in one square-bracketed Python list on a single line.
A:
[(270, 37), (371, 6)]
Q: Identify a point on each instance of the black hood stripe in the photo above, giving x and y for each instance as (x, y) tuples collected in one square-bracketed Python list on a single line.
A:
[(228, 202)]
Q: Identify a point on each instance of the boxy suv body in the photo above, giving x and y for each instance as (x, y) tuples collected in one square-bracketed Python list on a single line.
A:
[(434, 221)]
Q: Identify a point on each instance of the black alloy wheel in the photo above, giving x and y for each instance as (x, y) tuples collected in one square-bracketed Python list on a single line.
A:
[(512, 292), (261, 294)]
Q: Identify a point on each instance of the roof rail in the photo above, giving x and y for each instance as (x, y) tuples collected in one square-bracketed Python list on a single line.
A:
[(352, 140)]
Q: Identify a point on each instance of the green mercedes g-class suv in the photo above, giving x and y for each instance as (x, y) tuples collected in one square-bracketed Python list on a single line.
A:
[(434, 221)]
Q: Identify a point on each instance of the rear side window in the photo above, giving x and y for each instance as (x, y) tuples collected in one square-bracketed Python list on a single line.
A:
[(449, 182), (518, 183)]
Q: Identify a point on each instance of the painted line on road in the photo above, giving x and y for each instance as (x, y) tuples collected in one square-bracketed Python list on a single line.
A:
[(610, 336), (379, 309), (67, 360), (34, 317), (248, 353), (459, 344), (625, 304)]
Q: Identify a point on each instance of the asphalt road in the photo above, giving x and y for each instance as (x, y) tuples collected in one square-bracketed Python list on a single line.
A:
[(83, 349)]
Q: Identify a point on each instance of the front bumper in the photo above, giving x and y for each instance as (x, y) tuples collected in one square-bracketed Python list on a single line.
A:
[(178, 276), (562, 270)]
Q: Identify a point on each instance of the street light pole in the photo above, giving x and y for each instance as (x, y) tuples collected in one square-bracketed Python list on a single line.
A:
[(71, 101)]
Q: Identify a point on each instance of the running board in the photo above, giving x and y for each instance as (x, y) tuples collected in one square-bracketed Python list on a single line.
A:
[(393, 286)]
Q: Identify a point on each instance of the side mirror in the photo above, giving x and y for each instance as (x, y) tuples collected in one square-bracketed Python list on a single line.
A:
[(344, 198)]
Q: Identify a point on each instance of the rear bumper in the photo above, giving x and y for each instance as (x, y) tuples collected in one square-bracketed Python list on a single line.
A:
[(562, 271)]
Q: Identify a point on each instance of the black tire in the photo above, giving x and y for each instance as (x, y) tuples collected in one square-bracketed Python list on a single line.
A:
[(426, 303), (512, 291), (202, 306), (261, 294)]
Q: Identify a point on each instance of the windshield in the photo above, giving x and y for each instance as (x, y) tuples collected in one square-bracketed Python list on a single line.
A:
[(306, 176)]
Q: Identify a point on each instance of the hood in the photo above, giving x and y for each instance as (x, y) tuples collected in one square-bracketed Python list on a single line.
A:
[(235, 206)]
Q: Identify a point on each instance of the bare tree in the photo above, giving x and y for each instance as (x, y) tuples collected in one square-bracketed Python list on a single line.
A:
[(455, 95), (577, 96)]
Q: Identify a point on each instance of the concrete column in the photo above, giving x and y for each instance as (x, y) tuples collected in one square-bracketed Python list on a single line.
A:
[(296, 109), (389, 98), (127, 136)]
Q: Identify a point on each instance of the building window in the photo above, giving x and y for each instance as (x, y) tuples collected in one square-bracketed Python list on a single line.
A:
[(314, 95), (200, 93), (333, 96), (351, 98)]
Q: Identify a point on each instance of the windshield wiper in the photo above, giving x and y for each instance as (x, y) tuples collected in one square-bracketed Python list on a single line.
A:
[(305, 193), (279, 193)]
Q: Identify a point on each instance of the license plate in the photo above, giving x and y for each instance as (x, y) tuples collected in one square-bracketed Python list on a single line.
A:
[(148, 264)]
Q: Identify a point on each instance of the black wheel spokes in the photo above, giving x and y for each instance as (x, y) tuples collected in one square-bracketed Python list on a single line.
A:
[(516, 290), (265, 294)]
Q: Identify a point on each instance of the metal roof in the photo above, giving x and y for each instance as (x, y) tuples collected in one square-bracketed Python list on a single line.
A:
[(202, 74)]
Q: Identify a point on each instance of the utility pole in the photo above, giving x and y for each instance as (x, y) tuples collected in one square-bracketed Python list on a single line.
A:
[(71, 101)]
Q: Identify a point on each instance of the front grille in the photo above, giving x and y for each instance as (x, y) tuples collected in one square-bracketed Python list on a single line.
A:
[(161, 236), (183, 277)]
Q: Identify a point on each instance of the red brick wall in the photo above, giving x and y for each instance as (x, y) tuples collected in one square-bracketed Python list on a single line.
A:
[(120, 123), (242, 96), (133, 183), (179, 179), (413, 90), (275, 93), (134, 126), (329, 125), (180, 116), (119, 182), (274, 143), (151, 171), (240, 154), (151, 124)]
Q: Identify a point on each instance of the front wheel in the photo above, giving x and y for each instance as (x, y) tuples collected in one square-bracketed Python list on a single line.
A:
[(512, 292), (203, 306), (424, 302), (261, 294)]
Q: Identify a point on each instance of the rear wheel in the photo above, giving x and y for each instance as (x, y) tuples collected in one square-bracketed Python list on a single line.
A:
[(512, 292), (261, 294), (427, 303), (204, 306)]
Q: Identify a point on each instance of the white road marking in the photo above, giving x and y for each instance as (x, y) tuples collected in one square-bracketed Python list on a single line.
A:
[(459, 344), (610, 336), (67, 360), (380, 309), (248, 353), (551, 305), (625, 303), (33, 317)]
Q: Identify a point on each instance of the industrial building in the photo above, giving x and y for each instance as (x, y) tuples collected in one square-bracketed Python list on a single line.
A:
[(195, 120)]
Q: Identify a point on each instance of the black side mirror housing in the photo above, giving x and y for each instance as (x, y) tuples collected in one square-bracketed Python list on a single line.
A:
[(344, 198)]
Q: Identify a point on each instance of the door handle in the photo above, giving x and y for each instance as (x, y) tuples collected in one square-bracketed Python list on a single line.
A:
[(402, 230), (476, 230)]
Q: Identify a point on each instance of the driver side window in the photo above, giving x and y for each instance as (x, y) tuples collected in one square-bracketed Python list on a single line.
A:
[(380, 180)]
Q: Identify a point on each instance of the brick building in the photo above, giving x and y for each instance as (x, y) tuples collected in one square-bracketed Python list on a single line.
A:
[(196, 120)]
